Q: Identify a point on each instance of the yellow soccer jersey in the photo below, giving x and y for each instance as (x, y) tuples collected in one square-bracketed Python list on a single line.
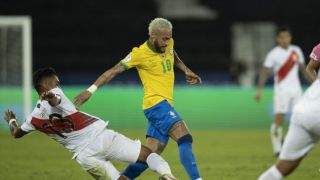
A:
[(155, 71)]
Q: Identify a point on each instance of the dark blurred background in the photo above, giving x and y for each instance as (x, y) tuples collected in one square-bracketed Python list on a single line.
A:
[(81, 39)]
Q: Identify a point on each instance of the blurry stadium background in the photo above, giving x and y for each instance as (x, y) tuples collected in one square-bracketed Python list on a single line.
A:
[(225, 42)]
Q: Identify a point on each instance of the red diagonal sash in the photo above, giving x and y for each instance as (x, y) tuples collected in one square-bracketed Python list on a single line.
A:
[(57, 124), (287, 66)]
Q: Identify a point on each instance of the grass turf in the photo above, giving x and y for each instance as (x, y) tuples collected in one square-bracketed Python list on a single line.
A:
[(221, 154), (229, 128)]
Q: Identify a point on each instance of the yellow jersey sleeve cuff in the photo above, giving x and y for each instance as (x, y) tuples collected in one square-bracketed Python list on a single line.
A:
[(124, 65)]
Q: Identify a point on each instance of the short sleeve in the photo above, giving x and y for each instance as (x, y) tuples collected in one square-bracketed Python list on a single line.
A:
[(269, 62), (301, 56), (315, 54), (27, 126), (132, 59), (65, 104)]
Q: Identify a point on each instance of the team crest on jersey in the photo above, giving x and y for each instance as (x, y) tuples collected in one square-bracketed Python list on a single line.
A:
[(171, 52), (43, 112), (127, 58), (151, 61)]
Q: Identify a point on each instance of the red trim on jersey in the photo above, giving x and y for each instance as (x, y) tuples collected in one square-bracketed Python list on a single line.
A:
[(58, 125), (287, 66), (81, 120)]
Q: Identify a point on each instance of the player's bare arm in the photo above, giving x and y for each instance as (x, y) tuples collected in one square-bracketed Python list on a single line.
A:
[(312, 69), (103, 79), (303, 70), (264, 74), (52, 98), (16, 131), (191, 77)]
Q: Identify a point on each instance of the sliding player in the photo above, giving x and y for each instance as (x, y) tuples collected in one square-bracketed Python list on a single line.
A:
[(87, 136)]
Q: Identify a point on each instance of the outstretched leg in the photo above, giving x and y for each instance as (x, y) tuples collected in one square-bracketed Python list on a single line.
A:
[(282, 169), (135, 169), (154, 161), (180, 133)]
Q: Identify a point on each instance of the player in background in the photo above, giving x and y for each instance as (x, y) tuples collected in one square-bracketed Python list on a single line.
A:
[(285, 60), (87, 136), (154, 61), (304, 129)]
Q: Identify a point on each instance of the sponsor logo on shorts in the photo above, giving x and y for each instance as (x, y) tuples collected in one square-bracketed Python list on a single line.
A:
[(172, 114)]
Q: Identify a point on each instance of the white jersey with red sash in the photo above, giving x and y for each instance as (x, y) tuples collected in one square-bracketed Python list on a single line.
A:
[(285, 65), (64, 123)]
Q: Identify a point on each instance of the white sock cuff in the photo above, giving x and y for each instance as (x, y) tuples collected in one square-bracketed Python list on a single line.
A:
[(276, 172), (153, 160), (158, 164), (112, 172)]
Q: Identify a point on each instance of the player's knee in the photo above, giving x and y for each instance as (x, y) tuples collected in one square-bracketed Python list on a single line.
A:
[(185, 139), (155, 145), (144, 153)]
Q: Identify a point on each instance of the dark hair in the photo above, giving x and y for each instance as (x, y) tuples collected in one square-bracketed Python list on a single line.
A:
[(40, 74), (283, 29)]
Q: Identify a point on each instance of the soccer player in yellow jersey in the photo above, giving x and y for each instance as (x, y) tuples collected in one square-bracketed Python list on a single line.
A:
[(154, 61)]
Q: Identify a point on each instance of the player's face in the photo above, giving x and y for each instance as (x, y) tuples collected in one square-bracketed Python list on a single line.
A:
[(162, 39), (284, 39), (50, 83)]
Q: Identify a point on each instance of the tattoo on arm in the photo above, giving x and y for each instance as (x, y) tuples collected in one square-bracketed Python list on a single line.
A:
[(179, 63), (109, 74)]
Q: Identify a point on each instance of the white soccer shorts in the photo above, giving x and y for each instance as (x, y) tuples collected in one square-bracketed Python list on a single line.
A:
[(109, 145), (283, 102), (303, 134)]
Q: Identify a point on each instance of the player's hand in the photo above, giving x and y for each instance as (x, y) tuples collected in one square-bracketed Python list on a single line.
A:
[(47, 95), (258, 96), (192, 78), (81, 98), (9, 115)]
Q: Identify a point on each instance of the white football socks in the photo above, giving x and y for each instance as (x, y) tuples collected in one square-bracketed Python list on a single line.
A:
[(111, 171), (104, 170), (276, 137), (271, 174), (158, 164)]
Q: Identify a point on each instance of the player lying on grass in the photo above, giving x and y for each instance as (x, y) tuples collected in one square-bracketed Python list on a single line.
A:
[(87, 136), (304, 130)]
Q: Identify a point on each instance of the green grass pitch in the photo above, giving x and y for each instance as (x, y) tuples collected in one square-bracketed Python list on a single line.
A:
[(221, 154), (230, 130)]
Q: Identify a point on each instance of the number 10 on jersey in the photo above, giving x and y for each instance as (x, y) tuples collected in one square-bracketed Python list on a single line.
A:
[(166, 66)]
